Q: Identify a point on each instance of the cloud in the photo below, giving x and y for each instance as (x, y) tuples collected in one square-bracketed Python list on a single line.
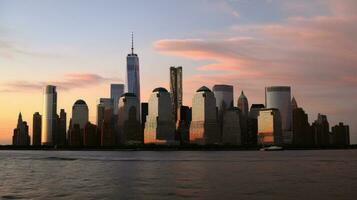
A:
[(69, 82)]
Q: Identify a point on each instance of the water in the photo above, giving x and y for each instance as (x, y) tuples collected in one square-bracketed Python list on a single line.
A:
[(178, 175)]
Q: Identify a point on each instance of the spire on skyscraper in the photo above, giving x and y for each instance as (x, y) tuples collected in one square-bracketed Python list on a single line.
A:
[(132, 43)]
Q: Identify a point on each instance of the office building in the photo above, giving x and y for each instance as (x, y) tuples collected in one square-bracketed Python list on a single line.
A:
[(321, 130), (49, 115), (80, 113), (269, 127), (204, 127), (160, 125), (129, 127), (243, 104), (62, 128), (231, 130), (133, 72), (279, 97), (176, 90), (184, 118), (341, 134), (104, 107), (116, 90), (302, 132), (90, 135), (21, 135), (36, 129)]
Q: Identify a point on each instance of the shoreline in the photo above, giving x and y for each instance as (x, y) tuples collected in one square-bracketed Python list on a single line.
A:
[(167, 148)]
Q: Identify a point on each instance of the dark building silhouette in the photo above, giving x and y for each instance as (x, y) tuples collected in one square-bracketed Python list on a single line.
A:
[(183, 124), (302, 134), (176, 90), (250, 138), (36, 129), (90, 135), (321, 131), (144, 113), (75, 135), (61, 128), (341, 134), (108, 132), (21, 133)]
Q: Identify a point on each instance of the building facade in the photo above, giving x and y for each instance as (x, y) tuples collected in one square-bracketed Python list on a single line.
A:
[(49, 115), (129, 127), (176, 90), (279, 97), (204, 127), (21, 135), (231, 131), (36, 129), (243, 104), (160, 125), (133, 73), (269, 127), (116, 90)]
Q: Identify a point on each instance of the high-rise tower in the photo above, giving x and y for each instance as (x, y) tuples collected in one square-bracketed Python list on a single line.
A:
[(133, 72), (243, 104), (49, 115), (176, 89)]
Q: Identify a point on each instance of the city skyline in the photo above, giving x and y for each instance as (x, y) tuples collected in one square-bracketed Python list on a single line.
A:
[(21, 86)]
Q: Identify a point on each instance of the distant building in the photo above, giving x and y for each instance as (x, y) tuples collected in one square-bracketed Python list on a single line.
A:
[(183, 125), (49, 115), (21, 135), (279, 97), (269, 127), (204, 127), (302, 132), (251, 138), (160, 126), (144, 113), (36, 129), (321, 130), (90, 135), (176, 90), (105, 105), (133, 72), (62, 128), (294, 104), (108, 133), (341, 134), (231, 131), (243, 104), (116, 90), (80, 113), (224, 97), (129, 127), (75, 135)]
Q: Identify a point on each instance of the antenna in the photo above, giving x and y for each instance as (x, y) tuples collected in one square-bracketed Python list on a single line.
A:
[(132, 43)]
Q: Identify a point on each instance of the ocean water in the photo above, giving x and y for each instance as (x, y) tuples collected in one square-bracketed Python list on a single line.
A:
[(326, 174)]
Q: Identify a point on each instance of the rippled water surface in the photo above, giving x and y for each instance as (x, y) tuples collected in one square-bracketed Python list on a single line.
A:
[(178, 175)]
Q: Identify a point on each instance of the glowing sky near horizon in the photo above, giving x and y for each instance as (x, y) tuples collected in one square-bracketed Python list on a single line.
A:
[(81, 46)]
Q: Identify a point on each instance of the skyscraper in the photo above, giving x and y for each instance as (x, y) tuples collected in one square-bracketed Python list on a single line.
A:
[(62, 128), (224, 97), (176, 89), (133, 72), (321, 130), (231, 127), (341, 134), (80, 113), (21, 133), (49, 115), (160, 126), (243, 104), (36, 129), (204, 127), (129, 127), (269, 127), (116, 90), (279, 97)]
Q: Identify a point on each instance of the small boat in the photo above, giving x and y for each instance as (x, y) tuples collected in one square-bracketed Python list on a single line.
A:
[(272, 148)]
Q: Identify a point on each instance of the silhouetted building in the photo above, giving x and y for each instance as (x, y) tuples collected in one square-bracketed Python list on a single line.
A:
[(176, 90), (341, 134), (204, 127), (279, 97), (90, 135), (108, 133), (129, 127), (133, 72), (269, 127), (49, 118), (105, 105), (62, 128), (160, 126), (251, 138), (75, 135), (231, 131), (294, 104), (302, 134), (144, 113), (80, 113), (183, 125), (116, 90), (36, 129), (243, 104), (321, 131), (21, 135)]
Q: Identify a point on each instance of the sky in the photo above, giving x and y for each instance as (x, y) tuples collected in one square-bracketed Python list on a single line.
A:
[(81, 47)]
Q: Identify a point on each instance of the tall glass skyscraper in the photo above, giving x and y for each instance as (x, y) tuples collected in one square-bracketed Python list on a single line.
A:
[(133, 72), (49, 117), (116, 90)]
